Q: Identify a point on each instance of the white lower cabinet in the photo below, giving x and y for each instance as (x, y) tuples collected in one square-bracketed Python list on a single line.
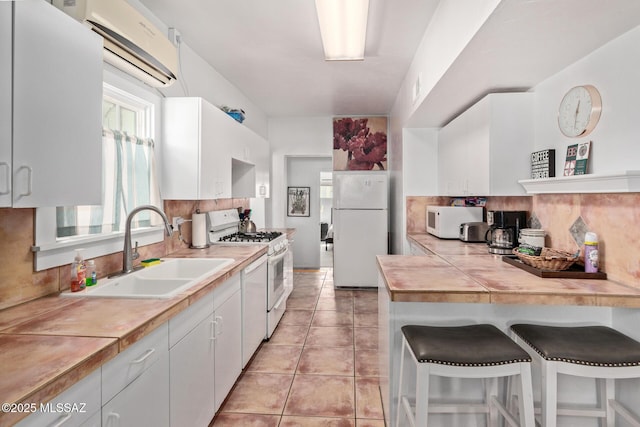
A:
[(254, 308), (191, 370), (228, 337), (78, 406), (178, 375), (135, 384)]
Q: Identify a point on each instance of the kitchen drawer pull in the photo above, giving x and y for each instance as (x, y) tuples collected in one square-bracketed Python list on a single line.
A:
[(8, 178), (63, 420), (144, 357), (218, 322), (213, 330), (29, 181)]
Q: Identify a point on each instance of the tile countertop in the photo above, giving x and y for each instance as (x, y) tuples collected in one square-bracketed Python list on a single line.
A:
[(466, 272), (48, 344)]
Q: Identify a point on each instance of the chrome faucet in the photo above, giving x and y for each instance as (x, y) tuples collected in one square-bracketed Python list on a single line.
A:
[(127, 255)]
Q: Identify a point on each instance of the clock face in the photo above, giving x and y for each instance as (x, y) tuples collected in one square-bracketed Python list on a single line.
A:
[(579, 111)]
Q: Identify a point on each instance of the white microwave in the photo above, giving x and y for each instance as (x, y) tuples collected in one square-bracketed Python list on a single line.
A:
[(444, 221)]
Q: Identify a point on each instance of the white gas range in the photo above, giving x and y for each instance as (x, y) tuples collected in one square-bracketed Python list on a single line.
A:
[(223, 230)]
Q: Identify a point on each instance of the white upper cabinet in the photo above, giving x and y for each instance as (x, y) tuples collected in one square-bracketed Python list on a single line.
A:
[(208, 155), (50, 133), (194, 167), (487, 149)]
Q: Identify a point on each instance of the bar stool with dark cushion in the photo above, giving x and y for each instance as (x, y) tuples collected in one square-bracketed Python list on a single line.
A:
[(474, 351), (596, 352)]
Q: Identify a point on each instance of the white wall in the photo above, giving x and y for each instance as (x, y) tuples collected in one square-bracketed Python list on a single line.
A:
[(452, 26), (305, 172), (204, 81), (294, 136), (613, 70), (420, 172)]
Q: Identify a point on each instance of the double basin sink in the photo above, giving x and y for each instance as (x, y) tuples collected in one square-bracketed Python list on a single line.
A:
[(164, 280)]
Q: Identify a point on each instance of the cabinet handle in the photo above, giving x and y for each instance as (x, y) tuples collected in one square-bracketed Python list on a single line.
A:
[(8, 178), (29, 181), (114, 416), (62, 421), (213, 330), (218, 322), (144, 357)]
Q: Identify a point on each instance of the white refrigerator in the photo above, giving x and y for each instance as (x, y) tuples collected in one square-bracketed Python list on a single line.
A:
[(360, 227)]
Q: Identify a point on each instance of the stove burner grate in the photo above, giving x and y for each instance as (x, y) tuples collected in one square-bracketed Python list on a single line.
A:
[(266, 236)]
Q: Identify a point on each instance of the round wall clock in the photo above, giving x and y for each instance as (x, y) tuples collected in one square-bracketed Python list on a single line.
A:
[(579, 111)]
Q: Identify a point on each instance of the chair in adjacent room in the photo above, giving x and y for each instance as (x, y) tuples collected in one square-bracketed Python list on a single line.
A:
[(598, 352), (473, 351)]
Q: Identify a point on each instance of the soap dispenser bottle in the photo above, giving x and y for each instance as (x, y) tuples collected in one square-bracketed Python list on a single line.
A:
[(78, 271)]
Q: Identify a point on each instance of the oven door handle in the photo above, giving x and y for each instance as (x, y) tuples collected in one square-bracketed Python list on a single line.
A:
[(278, 303), (278, 255)]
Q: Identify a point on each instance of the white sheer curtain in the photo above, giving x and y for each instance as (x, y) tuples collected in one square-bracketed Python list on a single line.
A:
[(130, 180)]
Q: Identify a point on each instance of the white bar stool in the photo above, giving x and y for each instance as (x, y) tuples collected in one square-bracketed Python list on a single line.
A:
[(474, 351), (584, 351)]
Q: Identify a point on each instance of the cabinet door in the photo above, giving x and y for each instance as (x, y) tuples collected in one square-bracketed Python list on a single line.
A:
[(180, 150), (191, 381), (477, 149), (82, 401), (228, 348), (57, 108), (451, 158), (215, 154), (144, 402), (254, 308), (5, 103)]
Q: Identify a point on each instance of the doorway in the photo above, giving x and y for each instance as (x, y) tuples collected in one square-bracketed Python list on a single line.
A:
[(326, 219), (303, 173)]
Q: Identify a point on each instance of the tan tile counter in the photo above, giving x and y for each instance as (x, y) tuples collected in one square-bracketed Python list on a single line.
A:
[(36, 368), (458, 283), (49, 344), (466, 272)]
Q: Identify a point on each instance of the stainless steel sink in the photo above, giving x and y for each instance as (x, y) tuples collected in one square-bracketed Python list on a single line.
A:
[(169, 278)]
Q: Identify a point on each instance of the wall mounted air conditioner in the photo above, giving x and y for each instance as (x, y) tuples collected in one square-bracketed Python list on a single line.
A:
[(131, 42)]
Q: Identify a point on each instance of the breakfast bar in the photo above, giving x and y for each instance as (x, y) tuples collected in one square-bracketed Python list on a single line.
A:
[(457, 283)]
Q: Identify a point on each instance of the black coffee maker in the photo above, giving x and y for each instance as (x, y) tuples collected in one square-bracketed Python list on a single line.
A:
[(504, 228)]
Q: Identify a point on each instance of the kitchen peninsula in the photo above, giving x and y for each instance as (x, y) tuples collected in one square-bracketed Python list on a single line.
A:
[(457, 283)]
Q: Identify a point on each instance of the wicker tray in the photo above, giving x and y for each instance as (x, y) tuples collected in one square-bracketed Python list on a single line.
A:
[(549, 259), (576, 271)]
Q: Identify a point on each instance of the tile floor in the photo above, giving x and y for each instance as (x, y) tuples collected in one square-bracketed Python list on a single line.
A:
[(320, 366)]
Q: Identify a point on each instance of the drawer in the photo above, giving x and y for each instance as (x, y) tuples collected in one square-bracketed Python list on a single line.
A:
[(225, 291), (131, 363), (187, 320), (73, 407)]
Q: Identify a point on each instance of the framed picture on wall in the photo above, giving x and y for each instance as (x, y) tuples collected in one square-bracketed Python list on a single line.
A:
[(359, 143), (298, 202)]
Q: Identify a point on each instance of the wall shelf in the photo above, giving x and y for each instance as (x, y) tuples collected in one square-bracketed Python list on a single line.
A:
[(619, 182)]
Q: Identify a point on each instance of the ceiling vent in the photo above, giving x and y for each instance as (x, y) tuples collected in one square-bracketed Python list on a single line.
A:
[(131, 42)]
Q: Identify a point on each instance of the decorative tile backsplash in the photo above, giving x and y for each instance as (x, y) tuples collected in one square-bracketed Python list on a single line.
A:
[(615, 218), (19, 283), (578, 230)]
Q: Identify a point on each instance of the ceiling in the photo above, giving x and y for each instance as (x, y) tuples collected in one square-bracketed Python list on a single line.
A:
[(272, 51)]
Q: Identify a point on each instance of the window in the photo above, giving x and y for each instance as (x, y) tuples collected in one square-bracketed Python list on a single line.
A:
[(128, 171), (129, 180)]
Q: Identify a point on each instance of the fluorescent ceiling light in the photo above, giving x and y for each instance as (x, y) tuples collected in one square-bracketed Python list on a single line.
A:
[(343, 27)]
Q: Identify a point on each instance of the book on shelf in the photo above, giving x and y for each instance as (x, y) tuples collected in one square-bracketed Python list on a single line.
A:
[(577, 160)]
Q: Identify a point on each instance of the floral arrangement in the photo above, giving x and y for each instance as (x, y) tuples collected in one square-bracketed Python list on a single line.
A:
[(365, 149)]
